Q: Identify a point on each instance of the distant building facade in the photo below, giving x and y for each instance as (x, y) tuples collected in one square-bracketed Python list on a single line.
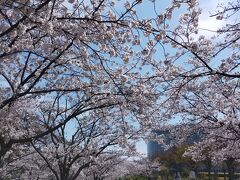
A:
[(154, 149)]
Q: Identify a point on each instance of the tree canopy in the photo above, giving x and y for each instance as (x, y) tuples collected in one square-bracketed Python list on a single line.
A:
[(82, 80)]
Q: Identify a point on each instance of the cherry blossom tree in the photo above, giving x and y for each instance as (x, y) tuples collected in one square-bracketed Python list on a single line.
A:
[(73, 57), (93, 139), (66, 63), (199, 80), (99, 64), (109, 166), (77, 146), (22, 162)]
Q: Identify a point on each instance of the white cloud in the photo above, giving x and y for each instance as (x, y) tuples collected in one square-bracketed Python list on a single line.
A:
[(207, 25)]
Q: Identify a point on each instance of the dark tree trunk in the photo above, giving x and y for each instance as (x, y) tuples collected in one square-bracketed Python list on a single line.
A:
[(209, 168), (224, 172), (230, 167)]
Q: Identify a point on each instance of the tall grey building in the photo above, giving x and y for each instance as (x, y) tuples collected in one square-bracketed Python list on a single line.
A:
[(154, 149)]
